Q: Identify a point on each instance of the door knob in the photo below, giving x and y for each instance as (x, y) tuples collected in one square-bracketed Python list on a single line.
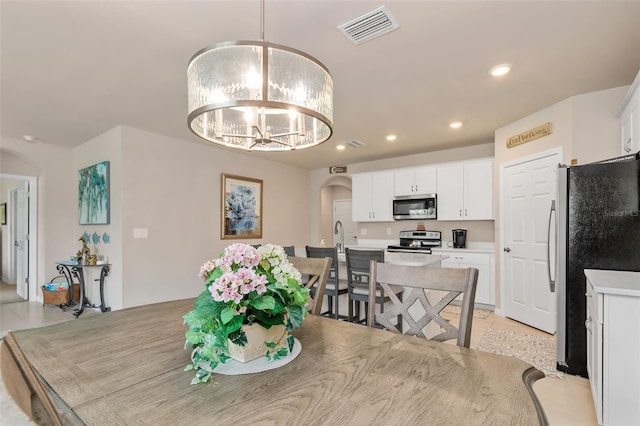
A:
[(506, 249)]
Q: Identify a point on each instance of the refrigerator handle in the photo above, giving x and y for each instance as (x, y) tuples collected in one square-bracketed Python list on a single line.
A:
[(552, 283)]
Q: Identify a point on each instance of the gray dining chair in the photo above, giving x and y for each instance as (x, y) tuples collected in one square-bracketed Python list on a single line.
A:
[(289, 250), (417, 282), (335, 286), (317, 273), (358, 263)]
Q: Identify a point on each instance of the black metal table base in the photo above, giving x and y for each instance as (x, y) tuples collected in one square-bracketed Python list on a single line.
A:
[(71, 270)]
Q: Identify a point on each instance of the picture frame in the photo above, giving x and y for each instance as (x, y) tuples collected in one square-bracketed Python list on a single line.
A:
[(3, 214), (241, 215), (93, 194)]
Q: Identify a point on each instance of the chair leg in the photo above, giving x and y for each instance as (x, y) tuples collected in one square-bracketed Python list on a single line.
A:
[(351, 302), (330, 303)]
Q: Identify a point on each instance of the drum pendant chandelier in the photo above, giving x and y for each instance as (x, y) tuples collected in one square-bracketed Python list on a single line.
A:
[(259, 96)]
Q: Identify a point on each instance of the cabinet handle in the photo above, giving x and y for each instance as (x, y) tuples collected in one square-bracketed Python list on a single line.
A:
[(466, 213), (416, 188), (412, 188), (460, 212)]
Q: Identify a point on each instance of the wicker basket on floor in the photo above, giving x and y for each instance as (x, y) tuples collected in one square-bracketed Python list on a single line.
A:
[(60, 297)]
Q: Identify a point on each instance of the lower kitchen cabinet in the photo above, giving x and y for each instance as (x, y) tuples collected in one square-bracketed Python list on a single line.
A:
[(482, 261), (613, 345)]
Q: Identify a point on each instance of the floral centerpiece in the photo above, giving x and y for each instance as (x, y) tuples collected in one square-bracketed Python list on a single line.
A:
[(245, 286)]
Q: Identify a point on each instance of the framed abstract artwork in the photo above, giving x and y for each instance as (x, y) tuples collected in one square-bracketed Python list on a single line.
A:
[(93, 194), (241, 207)]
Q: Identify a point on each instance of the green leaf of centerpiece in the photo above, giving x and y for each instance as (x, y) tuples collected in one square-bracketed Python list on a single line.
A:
[(264, 302), (227, 315), (296, 315)]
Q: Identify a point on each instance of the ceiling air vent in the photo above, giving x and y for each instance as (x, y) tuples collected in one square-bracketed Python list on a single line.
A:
[(369, 26), (355, 144)]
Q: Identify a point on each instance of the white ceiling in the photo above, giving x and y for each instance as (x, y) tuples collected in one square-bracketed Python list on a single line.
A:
[(71, 70)]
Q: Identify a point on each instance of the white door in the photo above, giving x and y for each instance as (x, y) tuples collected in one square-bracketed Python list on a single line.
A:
[(22, 240), (528, 188)]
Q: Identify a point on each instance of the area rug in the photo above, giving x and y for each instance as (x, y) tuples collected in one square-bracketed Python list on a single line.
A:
[(539, 351), (477, 313)]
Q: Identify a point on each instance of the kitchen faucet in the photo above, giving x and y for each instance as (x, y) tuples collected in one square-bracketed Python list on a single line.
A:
[(340, 245)]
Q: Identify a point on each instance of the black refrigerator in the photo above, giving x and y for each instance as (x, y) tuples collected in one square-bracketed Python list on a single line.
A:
[(597, 227)]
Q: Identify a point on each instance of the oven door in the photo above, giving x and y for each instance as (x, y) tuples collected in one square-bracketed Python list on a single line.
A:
[(415, 208)]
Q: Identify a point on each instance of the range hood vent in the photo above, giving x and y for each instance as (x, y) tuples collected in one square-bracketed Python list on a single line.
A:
[(369, 26)]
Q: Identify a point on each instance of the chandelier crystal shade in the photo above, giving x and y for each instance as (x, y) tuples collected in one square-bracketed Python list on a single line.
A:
[(255, 95)]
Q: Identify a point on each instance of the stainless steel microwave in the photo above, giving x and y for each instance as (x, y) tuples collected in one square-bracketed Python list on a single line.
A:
[(415, 207)]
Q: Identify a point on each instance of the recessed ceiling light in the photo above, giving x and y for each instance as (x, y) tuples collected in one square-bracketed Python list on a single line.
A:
[(340, 147), (455, 124), (392, 138), (30, 138), (499, 70)]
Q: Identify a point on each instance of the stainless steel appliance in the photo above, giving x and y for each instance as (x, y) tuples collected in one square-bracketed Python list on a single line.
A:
[(597, 227), (417, 242), (459, 238), (415, 207)]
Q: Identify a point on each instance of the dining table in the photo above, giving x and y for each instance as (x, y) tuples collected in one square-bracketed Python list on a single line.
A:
[(127, 367)]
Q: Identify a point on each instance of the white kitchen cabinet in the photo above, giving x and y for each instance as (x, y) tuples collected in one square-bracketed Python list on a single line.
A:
[(465, 190), (415, 181), (629, 114), (613, 345), (372, 197), (482, 261)]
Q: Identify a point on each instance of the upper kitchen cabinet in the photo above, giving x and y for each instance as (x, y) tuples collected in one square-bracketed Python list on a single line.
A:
[(465, 190), (372, 197), (421, 180), (629, 113)]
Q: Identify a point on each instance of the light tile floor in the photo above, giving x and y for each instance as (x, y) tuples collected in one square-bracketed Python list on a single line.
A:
[(565, 401)]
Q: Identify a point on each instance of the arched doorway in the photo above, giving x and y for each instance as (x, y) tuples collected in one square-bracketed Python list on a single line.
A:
[(335, 204)]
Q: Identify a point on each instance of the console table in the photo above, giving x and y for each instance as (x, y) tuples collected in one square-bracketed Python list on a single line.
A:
[(72, 269)]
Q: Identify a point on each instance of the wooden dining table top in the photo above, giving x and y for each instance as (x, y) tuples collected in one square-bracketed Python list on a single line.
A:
[(127, 367)]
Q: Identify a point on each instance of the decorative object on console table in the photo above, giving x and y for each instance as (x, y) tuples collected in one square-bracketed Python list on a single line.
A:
[(93, 194), (244, 287), (241, 207)]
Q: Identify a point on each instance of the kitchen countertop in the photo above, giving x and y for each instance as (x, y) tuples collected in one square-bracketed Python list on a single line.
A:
[(409, 259), (623, 283)]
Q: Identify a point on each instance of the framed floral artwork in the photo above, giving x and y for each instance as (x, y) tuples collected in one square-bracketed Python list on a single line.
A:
[(93, 194), (241, 207)]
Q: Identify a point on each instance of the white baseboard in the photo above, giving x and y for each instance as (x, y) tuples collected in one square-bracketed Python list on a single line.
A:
[(499, 312)]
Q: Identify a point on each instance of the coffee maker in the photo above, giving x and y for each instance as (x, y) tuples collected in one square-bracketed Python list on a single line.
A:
[(459, 238)]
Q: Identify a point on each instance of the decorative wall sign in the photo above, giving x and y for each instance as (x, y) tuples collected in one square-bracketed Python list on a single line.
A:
[(529, 135), (241, 207), (337, 169), (93, 194)]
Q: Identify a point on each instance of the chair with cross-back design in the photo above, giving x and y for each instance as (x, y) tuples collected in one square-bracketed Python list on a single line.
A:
[(417, 282), (316, 271)]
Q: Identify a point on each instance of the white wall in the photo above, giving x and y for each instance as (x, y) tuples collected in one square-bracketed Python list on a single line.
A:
[(105, 147), (173, 188), (169, 186)]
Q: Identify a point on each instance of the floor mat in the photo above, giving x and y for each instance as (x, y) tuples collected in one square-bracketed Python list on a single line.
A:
[(477, 313), (539, 351)]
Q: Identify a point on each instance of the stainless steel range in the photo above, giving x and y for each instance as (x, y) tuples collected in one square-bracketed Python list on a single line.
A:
[(417, 242)]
